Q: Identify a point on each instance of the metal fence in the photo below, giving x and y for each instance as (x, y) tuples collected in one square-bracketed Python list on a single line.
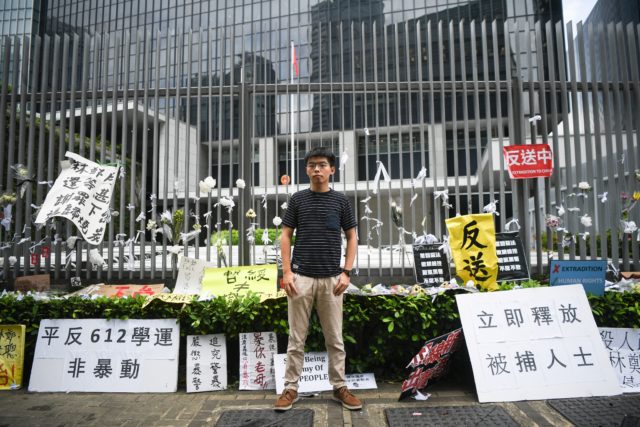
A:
[(434, 103)]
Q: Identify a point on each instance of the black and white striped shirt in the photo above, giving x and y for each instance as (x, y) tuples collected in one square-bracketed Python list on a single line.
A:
[(318, 219)]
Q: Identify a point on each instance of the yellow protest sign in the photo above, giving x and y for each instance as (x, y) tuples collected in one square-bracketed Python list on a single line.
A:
[(472, 239), (260, 279), (11, 356)]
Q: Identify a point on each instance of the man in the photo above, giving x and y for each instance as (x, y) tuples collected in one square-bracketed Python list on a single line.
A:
[(314, 275)]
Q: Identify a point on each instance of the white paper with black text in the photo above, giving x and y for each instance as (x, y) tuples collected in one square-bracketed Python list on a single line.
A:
[(535, 343), (257, 350), (98, 355), (623, 346), (190, 273), (206, 363)]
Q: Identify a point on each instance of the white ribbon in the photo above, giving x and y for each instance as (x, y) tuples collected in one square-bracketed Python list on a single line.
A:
[(385, 175), (513, 221)]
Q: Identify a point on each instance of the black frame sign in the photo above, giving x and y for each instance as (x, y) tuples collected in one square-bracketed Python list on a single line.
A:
[(430, 265), (512, 263)]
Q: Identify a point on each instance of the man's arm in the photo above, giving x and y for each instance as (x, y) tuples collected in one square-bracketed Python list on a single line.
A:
[(285, 250), (350, 256)]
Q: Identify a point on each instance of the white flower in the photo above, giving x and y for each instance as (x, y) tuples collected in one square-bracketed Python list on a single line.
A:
[(12, 260), (584, 186), (284, 205), (204, 187), (629, 227), (226, 202), (250, 214), (175, 249), (166, 217), (240, 183), (277, 221), (586, 220), (210, 182), (151, 225), (560, 210)]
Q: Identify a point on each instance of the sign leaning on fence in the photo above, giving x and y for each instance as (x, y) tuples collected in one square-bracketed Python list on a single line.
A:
[(11, 356), (257, 350), (206, 363), (623, 346), (136, 355), (535, 343), (82, 194)]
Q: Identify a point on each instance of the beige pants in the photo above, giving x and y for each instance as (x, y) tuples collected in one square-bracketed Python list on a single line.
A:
[(318, 292)]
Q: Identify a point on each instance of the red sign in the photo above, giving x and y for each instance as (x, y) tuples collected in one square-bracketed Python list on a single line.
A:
[(528, 161)]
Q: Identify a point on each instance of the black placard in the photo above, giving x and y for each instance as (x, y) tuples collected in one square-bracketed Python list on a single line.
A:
[(512, 263), (431, 265)]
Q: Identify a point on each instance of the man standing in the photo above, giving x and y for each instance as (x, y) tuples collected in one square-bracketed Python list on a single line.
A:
[(314, 275)]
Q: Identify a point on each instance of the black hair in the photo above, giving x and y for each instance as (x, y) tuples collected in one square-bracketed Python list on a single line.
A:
[(321, 152)]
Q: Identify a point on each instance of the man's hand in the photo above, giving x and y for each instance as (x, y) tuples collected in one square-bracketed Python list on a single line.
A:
[(288, 285), (342, 285)]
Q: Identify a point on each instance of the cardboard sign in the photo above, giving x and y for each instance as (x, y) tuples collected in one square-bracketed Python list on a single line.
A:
[(169, 298), (431, 266), (11, 356), (528, 161), (315, 375), (98, 355), (431, 362), (37, 283), (206, 363), (591, 274), (512, 263), (257, 350), (623, 346), (535, 343), (119, 291), (260, 279)]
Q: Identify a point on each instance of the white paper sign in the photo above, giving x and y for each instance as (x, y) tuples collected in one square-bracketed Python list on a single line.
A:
[(535, 343), (98, 355), (189, 280), (315, 375), (623, 346), (206, 363), (257, 350), (82, 194)]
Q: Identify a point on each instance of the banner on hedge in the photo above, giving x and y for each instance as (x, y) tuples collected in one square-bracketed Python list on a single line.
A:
[(431, 362), (260, 279), (11, 356), (119, 291), (98, 355), (535, 343), (257, 350), (623, 346), (206, 363), (472, 239)]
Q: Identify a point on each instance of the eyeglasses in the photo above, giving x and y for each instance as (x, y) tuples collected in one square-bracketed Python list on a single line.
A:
[(321, 165)]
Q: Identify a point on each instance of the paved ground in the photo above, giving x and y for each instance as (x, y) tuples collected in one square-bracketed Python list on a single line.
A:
[(21, 408)]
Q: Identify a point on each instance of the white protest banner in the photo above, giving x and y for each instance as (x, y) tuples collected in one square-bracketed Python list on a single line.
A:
[(98, 355), (206, 363), (535, 343), (190, 274), (257, 350), (623, 346), (82, 194), (315, 375)]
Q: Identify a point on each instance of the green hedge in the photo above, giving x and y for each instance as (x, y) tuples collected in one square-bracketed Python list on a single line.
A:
[(381, 333)]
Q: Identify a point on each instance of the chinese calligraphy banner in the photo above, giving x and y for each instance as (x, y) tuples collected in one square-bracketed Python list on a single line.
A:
[(623, 346), (431, 362), (528, 161), (315, 375), (98, 355), (535, 343), (590, 273), (431, 265), (11, 356), (257, 350), (82, 194), (206, 363), (261, 279), (473, 246)]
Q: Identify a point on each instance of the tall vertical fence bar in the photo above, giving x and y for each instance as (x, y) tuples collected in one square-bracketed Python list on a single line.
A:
[(432, 104)]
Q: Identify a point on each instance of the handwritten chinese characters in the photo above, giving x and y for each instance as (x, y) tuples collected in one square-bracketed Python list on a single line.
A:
[(623, 347), (11, 356), (261, 279), (257, 350), (82, 194), (138, 355), (206, 363), (535, 344)]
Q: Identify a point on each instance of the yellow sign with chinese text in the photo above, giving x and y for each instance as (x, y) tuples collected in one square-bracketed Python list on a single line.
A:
[(472, 239), (260, 279), (11, 356)]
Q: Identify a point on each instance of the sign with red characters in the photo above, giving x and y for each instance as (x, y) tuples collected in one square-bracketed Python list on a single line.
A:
[(528, 161)]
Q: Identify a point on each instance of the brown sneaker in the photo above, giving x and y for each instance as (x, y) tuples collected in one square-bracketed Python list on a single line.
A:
[(348, 400), (286, 400)]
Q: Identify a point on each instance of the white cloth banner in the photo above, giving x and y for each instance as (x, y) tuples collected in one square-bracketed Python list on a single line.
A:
[(257, 350), (535, 343), (623, 346), (82, 194), (206, 363)]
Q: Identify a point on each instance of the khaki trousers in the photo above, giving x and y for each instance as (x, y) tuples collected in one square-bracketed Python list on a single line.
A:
[(318, 292)]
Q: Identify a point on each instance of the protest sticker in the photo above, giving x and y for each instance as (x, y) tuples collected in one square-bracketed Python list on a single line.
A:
[(623, 346), (315, 375), (528, 161), (190, 274), (11, 356), (472, 239), (535, 343), (260, 279), (591, 274), (431, 265), (99, 355), (257, 350), (206, 363), (431, 362), (82, 194), (512, 263)]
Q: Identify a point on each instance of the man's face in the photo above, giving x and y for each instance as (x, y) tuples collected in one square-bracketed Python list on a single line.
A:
[(319, 170)]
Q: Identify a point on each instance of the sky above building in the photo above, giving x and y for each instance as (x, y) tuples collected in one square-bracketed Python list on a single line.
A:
[(576, 10)]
